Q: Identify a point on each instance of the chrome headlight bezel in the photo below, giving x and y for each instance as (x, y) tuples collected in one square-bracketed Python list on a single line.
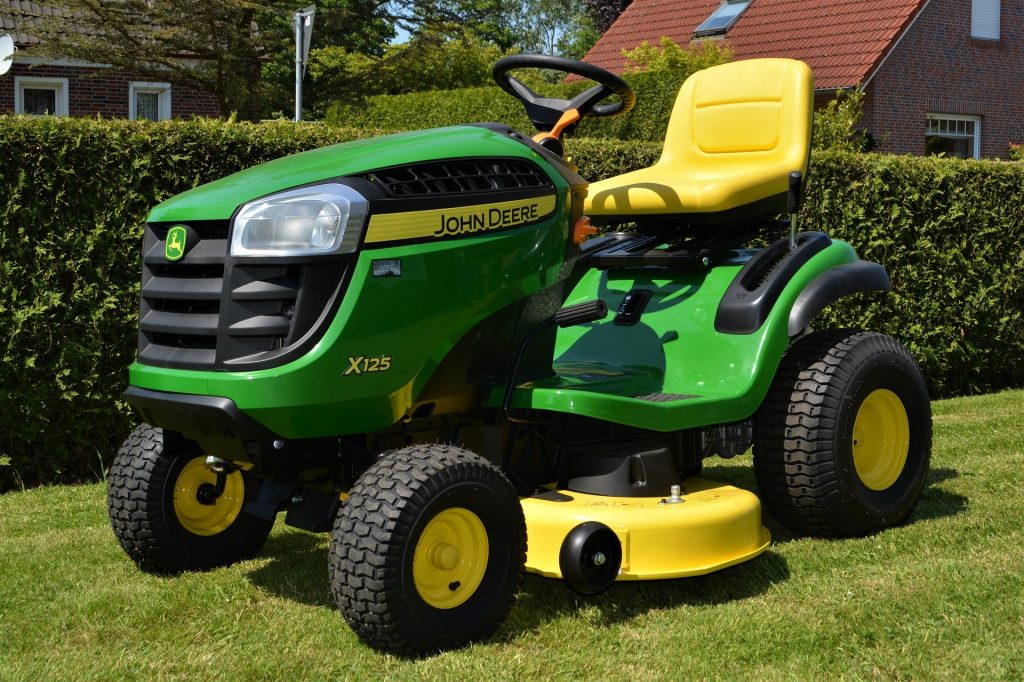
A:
[(316, 220)]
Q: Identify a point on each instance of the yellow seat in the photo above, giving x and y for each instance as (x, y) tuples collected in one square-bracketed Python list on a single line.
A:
[(736, 133)]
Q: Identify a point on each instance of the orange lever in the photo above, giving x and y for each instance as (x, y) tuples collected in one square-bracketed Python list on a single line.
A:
[(567, 119), (582, 230)]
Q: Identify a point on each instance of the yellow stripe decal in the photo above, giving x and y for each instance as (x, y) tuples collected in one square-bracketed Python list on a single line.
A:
[(458, 220)]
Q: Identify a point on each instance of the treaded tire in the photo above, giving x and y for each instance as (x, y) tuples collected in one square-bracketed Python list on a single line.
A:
[(375, 538), (803, 434), (140, 499)]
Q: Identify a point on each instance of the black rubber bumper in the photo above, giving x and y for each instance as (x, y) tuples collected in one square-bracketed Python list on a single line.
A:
[(196, 417)]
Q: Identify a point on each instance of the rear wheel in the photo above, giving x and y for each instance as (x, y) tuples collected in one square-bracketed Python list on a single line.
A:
[(168, 514), (843, 439), (428, 550)]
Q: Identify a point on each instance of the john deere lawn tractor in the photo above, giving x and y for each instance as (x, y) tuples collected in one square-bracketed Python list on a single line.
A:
[(463, 361)]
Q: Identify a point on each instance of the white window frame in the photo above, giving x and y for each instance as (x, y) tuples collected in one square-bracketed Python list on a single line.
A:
[(60, 85), (986, 19), (161, 89), (701, 31), (959, 117)]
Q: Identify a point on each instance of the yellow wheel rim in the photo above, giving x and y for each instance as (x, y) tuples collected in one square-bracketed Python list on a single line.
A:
[(450, 558), (206, 519), (881, 439)]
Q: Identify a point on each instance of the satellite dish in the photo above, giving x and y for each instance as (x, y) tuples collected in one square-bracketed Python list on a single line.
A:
[(7, 50)]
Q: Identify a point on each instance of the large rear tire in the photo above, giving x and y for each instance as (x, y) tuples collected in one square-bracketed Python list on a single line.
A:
[(164, 515), (428, 550), (843, 439)]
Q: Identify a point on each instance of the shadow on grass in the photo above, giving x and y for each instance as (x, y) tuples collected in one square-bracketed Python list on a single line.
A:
[(297, 570), (543, 599)]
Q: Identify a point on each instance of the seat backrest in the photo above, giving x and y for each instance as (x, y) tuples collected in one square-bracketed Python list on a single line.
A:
[(756, 111)]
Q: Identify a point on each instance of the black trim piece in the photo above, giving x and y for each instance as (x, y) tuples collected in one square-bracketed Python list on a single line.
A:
[(750, 298), (632, 307), (832, 285), (196, 417), (458, 177)]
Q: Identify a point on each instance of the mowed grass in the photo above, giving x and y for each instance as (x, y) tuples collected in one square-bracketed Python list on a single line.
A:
[(942, 597)]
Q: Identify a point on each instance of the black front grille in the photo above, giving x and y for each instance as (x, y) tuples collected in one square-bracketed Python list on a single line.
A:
[(444, 178), (209, 311)]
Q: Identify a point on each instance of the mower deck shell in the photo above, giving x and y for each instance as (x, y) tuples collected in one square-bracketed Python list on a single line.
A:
[(713, 527)]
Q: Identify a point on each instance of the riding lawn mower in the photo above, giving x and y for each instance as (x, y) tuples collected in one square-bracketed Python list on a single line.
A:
[(464, 361)]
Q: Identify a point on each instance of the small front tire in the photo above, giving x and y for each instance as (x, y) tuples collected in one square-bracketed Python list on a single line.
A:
[(166, 514), (428, 550)]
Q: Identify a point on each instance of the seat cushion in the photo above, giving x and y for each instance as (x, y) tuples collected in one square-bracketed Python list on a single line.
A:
[(736, 133)]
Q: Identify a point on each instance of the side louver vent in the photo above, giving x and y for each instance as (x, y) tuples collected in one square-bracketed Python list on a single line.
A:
[(457, 177)]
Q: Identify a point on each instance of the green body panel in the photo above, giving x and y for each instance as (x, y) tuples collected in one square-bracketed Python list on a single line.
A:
[(445, 289), (674, 349), (218, 200)]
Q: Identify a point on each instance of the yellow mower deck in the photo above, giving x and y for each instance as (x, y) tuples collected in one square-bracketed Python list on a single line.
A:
[(713, 527)]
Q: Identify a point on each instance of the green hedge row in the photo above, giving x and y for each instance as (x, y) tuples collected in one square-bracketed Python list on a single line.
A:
[(73, 197), (656, 94), (74, 194)]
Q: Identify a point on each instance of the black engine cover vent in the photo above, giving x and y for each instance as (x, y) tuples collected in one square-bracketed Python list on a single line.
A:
[(445, 178)]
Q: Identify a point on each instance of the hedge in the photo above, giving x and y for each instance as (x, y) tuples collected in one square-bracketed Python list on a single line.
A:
[(656, 95), (74, 193), (73, 196)]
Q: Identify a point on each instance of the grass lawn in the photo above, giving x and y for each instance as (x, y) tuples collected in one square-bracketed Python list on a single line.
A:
[(942, 597)]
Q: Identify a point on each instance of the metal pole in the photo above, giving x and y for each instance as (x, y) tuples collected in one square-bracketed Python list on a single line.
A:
[(298, 65)]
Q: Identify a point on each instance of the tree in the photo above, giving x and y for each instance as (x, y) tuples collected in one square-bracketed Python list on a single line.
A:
[(603, 13), (225, 47)]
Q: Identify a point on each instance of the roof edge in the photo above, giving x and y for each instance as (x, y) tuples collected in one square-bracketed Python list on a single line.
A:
[(873, 71)]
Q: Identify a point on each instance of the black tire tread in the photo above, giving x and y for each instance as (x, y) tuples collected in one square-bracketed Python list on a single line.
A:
[(796, 424), (139, 519), (370, 535)]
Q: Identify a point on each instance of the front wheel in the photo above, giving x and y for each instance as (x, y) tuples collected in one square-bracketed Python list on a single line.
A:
[(843, 439), (168, 514), (428, 550)]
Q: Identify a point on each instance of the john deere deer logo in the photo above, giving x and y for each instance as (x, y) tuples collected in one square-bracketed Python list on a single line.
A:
[(174, 247)]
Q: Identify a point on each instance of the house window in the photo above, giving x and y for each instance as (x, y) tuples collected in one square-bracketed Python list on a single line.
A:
[(722, 18), (150, 101), (958, 136), (985, 19), (40, 96)]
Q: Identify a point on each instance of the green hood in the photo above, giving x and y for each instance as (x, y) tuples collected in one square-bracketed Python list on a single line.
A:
[(219, 199)]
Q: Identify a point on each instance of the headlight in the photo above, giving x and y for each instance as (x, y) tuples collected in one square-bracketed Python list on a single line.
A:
[(300, 222)]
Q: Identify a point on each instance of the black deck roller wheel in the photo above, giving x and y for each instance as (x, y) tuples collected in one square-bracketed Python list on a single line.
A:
[(590, 558)]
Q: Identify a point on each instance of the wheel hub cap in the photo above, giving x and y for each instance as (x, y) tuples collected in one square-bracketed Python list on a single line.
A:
[(450, 558), (881, 439), (197, 511)]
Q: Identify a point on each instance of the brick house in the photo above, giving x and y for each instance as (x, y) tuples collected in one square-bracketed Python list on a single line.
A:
[(938, 75), (63, 87)]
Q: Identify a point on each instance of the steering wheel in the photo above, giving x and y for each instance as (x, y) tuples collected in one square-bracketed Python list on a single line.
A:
[(554, 116)]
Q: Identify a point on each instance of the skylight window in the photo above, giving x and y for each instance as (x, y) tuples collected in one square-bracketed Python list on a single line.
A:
[(722, 18)]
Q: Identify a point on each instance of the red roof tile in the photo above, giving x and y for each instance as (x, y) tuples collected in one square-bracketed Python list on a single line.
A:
[(842, 40)]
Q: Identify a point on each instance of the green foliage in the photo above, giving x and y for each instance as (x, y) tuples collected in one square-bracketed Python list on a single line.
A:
[(835, 124), (428, 62), (74, 194), (948, 231), (1016, 152), (656, 75), (669, 55)]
